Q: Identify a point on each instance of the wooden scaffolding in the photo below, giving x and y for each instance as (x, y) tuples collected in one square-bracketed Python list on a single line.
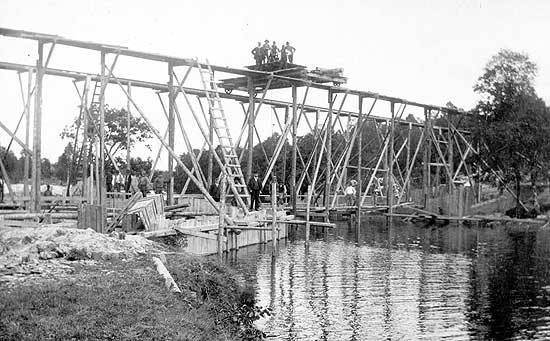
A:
[(403, 146)]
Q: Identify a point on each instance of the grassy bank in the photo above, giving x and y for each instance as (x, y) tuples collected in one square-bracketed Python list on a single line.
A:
[(127, 300)]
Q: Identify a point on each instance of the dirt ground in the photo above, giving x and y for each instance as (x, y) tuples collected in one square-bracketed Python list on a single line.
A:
[(63, 283), (52, 250)]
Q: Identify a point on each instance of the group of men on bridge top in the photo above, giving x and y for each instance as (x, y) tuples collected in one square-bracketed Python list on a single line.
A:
[(270, 53)]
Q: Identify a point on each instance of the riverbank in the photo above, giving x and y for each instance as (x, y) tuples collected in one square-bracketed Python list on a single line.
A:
[(91, 295)]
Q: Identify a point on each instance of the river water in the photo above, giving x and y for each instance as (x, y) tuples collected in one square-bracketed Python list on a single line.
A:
[(404, 282)]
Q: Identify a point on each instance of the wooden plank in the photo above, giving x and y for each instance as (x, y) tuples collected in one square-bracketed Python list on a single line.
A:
[(18, 223), (124, 211), (159, 233), (195, 233), (316, 223)]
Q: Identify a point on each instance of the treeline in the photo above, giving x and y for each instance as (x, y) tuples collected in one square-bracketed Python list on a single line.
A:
[(15, 166)]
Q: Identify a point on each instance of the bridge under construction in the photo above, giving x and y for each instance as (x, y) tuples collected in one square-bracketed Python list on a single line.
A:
[(194, 98)]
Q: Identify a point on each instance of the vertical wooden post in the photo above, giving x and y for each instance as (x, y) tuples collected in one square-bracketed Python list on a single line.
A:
[(85, 137), (308, 207), (426, 169), (211, 150), (274, 219), (26, 165), (128, 127), (221, 226), (293, 189), (37, 132), (386, 168), (450, 142), (407, 185), (391, 155), (171, 133), (96, 175), (250, 128), (328, 168), (101, 176), (359, 161), (315, 132), (284, 179)]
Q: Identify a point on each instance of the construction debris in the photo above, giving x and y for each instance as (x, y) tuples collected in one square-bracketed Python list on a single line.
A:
[(34, 250)]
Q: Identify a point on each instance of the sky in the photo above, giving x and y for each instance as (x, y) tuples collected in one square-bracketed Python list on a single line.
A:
[(425, 51)]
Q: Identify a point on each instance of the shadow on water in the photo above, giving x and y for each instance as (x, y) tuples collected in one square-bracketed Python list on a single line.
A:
[(404, 282)]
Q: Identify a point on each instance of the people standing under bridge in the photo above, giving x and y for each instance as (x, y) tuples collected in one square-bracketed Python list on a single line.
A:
[(128, 185), (119, 181), (143, 184), (1, 190), (350, 193), (274, 53), (255, 186), (109, 182), (132, 182), (289, 52), (159, 184), (257, 53), (265, 51), (48, 191)]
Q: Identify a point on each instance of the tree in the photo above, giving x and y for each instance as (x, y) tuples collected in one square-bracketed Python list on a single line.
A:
[(116, 135), (116, 131), (64, 163), (46, 168), (14, 167), (511, 121)]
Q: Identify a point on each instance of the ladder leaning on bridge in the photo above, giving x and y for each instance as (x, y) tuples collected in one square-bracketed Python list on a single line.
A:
[(236, 180)]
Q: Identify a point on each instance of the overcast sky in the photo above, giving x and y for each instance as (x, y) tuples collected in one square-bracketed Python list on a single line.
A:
[(425, 51)]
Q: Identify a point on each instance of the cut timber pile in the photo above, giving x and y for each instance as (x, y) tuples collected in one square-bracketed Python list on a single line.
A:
[(321, 75)]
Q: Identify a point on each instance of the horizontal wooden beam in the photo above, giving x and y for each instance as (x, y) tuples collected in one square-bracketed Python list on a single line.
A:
[(124, 51), (76, 75)]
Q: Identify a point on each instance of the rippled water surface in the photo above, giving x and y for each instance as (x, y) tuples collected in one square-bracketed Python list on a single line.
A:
[(405, 282)]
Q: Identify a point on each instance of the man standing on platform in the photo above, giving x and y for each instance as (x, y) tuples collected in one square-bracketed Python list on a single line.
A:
[(289, 52), (254, 186), (257, 53), (265, 51), (274, 53)]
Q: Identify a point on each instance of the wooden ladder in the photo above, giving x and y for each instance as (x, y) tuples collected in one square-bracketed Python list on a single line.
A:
[(236, 182)]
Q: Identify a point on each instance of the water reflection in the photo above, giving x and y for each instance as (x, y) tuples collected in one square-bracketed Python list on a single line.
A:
[(405, 282)]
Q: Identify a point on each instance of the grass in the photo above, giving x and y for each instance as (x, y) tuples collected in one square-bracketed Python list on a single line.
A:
[(127, 300)]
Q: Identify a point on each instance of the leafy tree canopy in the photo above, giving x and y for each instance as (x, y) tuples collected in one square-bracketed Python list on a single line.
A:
[(116, 130), (511, 123)]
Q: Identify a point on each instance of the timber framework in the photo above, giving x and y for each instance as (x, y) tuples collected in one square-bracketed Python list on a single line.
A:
[(196, 92)]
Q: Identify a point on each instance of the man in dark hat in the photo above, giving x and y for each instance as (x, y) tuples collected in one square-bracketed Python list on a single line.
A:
[(254, 186)]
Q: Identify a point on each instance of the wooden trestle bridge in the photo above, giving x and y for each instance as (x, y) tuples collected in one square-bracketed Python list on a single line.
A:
[(437, 154)]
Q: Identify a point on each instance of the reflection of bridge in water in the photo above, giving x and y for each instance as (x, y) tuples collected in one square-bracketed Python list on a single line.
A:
[(360, 135), (404, 282)]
